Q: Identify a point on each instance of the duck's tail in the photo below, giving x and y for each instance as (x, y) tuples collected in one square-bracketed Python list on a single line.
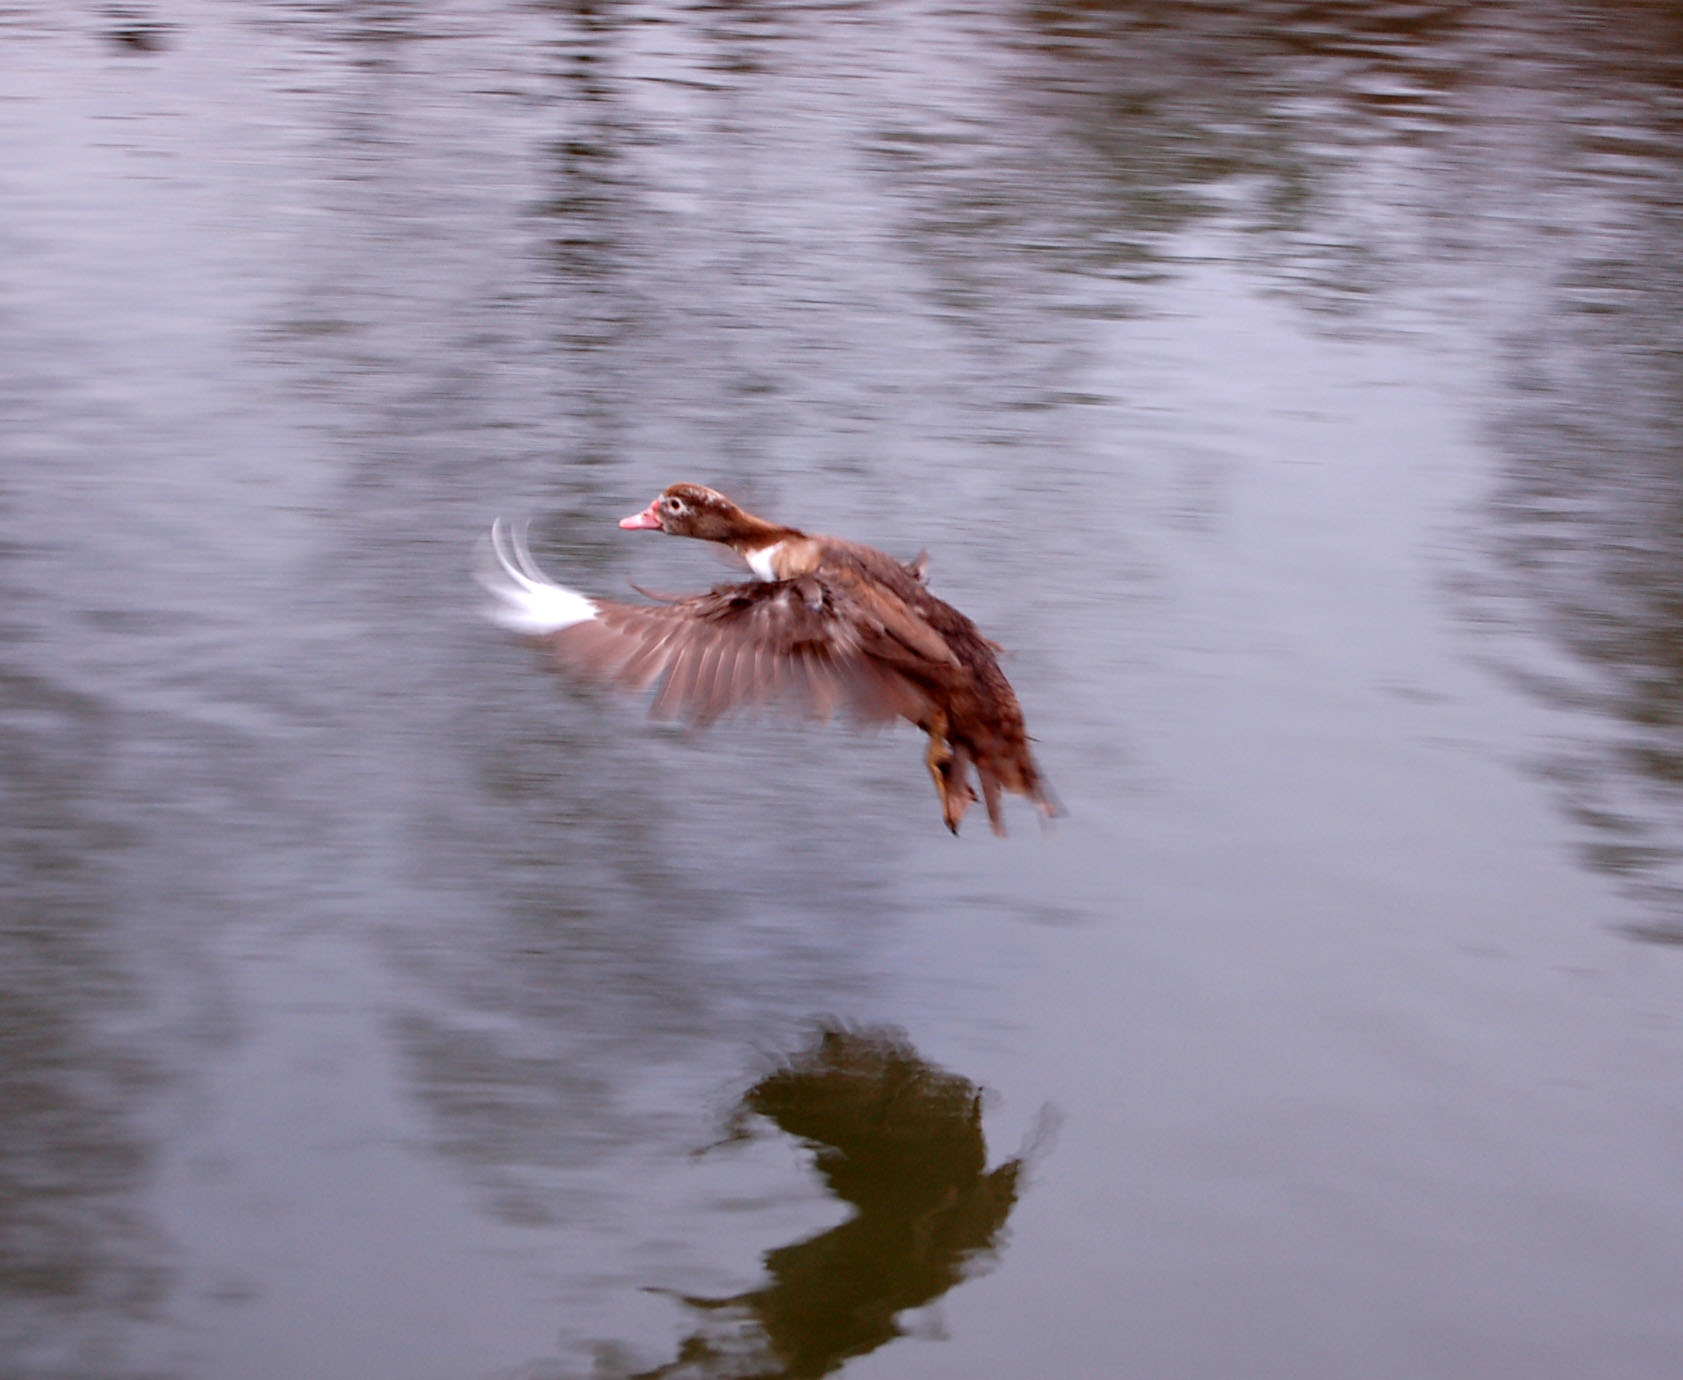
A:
[(527, 601), (1019, 775)]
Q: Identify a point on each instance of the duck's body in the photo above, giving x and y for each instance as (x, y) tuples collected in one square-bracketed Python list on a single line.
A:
[(825, 624)]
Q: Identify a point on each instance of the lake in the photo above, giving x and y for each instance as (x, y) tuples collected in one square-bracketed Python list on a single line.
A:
[(1295, 391)]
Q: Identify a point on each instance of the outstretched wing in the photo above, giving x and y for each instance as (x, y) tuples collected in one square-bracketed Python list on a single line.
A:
[(742, 646)]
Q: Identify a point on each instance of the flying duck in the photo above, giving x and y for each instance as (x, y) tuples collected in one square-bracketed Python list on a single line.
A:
[(823, 625)]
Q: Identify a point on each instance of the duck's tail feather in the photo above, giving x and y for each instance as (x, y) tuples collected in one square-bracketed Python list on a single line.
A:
[(526, 600)]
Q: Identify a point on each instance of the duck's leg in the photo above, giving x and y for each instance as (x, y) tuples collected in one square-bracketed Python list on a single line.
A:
[(940, 754), (947, 771)]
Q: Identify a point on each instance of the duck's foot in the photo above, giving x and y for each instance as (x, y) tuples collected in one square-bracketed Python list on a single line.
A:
[(955, 800), (948, 769), (954, 804)]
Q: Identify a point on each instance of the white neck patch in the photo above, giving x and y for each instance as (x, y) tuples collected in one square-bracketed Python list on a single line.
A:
[(760, 561)]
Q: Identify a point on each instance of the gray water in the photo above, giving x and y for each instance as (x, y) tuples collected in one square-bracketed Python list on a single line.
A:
[(1297, 391)]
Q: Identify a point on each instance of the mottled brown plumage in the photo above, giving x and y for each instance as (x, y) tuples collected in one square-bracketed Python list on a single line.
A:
[(828, 626)]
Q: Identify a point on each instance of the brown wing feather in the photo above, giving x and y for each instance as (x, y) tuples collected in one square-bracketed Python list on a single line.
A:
[(888, 626), (743, 646)]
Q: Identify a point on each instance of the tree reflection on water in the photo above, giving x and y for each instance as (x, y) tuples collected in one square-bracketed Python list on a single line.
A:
[(73, 1154), (899, 1140), (1590, 499)]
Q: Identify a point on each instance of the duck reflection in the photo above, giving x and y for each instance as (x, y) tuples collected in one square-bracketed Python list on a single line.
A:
[(898, 1139)]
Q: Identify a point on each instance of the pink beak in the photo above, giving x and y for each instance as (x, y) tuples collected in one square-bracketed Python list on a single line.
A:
[(649, 517)]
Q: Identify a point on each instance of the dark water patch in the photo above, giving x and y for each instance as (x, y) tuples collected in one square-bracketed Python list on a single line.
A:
[(78, 1253), (1592, 494)]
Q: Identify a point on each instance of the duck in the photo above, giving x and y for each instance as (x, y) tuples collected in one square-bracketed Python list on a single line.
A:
[(821, 625)]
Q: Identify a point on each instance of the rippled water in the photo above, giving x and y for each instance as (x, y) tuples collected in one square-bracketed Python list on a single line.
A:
[(1294, 389)]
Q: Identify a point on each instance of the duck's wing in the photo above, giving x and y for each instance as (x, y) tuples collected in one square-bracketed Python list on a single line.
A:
[(799, 644)]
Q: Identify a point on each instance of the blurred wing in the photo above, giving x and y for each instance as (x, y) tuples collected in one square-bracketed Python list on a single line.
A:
[(817, 645), (737, 647)]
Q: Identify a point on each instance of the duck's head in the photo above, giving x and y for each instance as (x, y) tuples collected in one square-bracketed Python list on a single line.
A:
[(693, 510)]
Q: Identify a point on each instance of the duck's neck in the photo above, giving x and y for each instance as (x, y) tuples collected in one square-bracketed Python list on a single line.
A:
[(768, 547), (751, 533)]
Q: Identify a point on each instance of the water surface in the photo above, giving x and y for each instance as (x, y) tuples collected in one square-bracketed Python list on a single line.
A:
[(1293, 390)]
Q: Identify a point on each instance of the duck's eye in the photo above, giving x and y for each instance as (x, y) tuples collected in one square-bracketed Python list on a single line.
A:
[(674, 506)]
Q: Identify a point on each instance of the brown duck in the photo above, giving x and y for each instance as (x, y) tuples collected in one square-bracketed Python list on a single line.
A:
[(824, 625)]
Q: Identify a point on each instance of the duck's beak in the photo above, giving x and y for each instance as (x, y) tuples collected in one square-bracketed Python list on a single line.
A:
[(649, 517)]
